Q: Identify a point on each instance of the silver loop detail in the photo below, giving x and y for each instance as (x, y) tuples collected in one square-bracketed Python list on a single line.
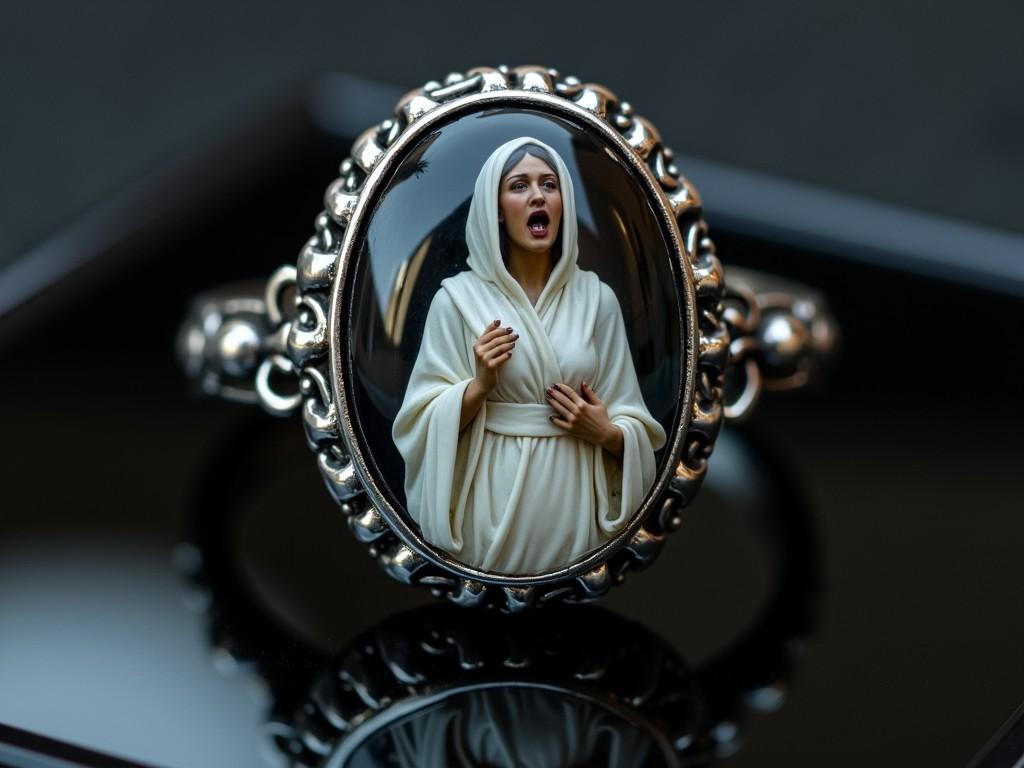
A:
[(272, 401), (233, 340), (742, 312), (748, 397), (282, 279), (220, 344), (782, 335)]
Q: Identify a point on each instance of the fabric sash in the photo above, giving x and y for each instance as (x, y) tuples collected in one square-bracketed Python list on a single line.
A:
[(521, 420)]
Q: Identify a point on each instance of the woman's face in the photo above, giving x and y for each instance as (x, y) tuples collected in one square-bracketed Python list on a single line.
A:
[(530, 205)]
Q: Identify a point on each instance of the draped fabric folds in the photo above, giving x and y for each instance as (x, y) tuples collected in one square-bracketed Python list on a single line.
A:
[(514, 493)]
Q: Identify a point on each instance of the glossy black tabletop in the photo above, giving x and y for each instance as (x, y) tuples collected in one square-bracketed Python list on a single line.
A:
[(175, 580)]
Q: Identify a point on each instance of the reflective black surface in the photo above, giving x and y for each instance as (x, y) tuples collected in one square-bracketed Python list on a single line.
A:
[(906, 466), (562, 686)]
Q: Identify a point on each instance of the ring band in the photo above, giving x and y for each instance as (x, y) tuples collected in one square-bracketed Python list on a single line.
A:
[(781, 337)]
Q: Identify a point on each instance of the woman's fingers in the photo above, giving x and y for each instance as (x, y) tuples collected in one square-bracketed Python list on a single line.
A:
[(589, 394), (499, 352), (583, 416), (492, 332), (561, 396), (568, 394), (560, 409), (506, 337), (494, 347)]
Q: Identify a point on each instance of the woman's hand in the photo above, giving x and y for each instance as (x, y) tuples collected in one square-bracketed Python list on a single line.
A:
[(584, 415), (492, 350)]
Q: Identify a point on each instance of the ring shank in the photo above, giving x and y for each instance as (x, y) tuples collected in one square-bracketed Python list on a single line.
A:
[(231, 343), (783, 335)]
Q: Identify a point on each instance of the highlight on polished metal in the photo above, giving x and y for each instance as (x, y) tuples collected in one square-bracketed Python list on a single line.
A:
[(510, 339)]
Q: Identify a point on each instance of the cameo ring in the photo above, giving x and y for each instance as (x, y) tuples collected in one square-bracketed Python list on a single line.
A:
[(510, 339)]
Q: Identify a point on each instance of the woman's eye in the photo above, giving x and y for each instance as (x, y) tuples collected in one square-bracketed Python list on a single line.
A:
[(550, 185), (518, 186)]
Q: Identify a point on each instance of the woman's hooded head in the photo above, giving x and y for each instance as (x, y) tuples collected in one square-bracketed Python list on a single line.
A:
[(483, 231)]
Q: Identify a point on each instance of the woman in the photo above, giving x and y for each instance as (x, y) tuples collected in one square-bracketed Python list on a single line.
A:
[(525, 437)]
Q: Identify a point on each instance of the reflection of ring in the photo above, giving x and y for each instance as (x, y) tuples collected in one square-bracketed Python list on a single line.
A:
[(342, 338), (441, 687), (443, 672)]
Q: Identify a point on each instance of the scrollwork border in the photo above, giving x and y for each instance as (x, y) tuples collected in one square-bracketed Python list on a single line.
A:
[(317, 348)]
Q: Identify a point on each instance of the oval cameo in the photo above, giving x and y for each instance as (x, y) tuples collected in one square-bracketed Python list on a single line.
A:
[(515, 351)]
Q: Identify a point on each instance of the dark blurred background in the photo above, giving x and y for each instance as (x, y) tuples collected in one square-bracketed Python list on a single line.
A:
[(223, 123), (906, 102)]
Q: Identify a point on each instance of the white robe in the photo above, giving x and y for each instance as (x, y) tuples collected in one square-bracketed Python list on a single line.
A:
[(513, 493)]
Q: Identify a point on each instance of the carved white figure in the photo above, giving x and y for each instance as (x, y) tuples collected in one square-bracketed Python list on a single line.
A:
[(525, 437)]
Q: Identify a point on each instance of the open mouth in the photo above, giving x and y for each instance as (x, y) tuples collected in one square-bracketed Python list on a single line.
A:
[(538, 224)]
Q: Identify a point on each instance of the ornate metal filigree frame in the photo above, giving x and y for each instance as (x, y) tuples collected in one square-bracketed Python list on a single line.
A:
[(318, 341), (253, 348)]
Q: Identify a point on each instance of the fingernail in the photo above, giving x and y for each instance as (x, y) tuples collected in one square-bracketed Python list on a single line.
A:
[(551, 418), (509, 329)]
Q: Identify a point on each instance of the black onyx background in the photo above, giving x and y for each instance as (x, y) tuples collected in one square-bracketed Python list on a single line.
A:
[(415, 238)]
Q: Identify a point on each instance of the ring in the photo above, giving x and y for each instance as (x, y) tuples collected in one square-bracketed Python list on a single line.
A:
[(508, 238)]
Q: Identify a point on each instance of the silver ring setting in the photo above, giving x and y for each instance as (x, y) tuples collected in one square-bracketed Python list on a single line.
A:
[(296, 344)]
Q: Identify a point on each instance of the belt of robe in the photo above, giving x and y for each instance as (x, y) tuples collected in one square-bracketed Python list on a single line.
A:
[(521, 420)]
